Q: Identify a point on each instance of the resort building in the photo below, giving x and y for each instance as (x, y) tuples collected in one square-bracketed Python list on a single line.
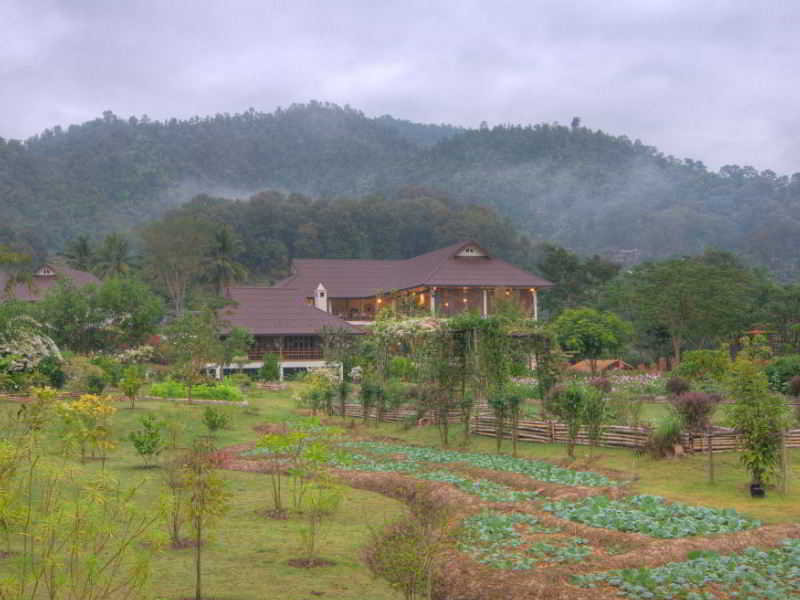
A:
[(346, 294)]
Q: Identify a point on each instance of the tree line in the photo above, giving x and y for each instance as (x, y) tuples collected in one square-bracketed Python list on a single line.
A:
[(580, 188)]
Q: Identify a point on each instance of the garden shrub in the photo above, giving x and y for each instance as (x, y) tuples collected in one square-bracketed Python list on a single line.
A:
[(51, 367), (402, 367), (270, 370), (695, 409), (677, 385), (781, 371), (112, 368), (666, 435), (95, 384), (215, 419)]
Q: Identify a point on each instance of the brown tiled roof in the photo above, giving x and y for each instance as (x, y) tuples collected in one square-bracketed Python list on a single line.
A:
[(42, 284), (277, 311), (353, 278)]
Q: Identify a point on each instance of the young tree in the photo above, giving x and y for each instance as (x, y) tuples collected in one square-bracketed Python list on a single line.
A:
[(595, 415), (131, 382), (235, 345), (208, 500), (569, 405), (590, 333), (759, 416), (148, 440), (192, 343)]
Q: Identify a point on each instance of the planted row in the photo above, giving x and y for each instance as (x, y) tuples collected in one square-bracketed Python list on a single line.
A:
[(651, 515), (485, 490), (499, 540), (753, 575), (541, 471)]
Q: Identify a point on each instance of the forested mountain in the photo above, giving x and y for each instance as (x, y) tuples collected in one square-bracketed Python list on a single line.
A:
[(581, 188)]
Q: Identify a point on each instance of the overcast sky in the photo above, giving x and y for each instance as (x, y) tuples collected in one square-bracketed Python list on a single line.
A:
[(715, 81)]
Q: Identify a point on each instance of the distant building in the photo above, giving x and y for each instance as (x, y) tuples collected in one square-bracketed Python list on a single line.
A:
[(348, 293), (44, 279)]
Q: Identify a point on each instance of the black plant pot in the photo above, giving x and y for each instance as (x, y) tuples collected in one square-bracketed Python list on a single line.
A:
[(757, 490)]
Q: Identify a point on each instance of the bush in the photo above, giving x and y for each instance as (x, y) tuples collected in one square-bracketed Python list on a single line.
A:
[(112, 368), (794, 386), (95, 384), (51, 368), (215, 419), (240, 380), (781, 371), (695, 409), (666, 435), (270, 370), (677, 385), (401, 367)]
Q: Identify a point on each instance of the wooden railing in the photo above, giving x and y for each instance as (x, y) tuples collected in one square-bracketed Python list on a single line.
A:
[(302, 354)]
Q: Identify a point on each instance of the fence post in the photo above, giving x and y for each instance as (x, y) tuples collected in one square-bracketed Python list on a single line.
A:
[(710, 448), (785, 464)]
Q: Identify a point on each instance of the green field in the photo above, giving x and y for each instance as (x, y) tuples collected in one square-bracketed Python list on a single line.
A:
[(248, 553)]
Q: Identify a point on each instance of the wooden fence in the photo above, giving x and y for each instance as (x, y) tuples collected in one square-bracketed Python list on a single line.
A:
[(25, 398), (397, 415), (721, 439)]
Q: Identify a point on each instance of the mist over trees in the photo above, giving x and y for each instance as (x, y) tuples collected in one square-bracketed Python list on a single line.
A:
[(579, 188)]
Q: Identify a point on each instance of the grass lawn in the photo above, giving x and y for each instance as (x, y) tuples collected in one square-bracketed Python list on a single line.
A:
[(248, 553), (247, 556)]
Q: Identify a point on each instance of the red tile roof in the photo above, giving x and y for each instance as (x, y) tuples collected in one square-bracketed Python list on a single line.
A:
[(42, 284), (353, 278), (277, 311)]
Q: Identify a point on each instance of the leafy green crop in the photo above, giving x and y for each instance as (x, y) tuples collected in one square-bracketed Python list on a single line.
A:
[(485, 490), (752, 575), (651, 515), (496, 539), (538, 470)]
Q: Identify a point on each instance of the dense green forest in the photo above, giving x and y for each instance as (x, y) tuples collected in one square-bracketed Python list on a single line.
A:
[(580, 188)]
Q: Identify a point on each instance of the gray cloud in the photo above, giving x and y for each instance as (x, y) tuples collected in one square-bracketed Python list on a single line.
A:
[(715, 81)]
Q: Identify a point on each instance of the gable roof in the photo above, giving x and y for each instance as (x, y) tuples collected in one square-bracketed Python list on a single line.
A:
[(356, 278), (41, 283), (277, 311)]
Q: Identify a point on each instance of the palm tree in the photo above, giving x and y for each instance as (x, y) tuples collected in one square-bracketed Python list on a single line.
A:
[(222, 268), (113, 257), (80, 254)]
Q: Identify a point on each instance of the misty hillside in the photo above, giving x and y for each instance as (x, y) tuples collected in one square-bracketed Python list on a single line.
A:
[(584, 189)]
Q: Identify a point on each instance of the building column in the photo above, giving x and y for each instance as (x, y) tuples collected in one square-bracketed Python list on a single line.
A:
[(433, 301), (485, 294), (535, 298)]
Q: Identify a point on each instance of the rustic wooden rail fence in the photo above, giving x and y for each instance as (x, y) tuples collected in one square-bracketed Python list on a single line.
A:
[(398, 415), (25, 398), (720, 439)]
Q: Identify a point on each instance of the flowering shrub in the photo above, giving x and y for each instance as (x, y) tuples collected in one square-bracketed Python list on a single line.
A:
[(87, 424), (140, 354)]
